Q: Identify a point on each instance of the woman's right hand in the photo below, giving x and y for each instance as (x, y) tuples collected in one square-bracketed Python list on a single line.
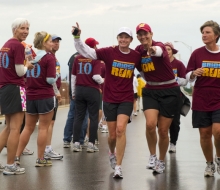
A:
[(77, 26), (29, 65), (197, 73)]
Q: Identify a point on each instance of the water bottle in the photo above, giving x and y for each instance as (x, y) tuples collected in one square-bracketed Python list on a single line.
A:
[(28, 54)]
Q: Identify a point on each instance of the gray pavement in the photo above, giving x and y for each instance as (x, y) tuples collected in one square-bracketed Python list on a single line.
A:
[(91, 171)]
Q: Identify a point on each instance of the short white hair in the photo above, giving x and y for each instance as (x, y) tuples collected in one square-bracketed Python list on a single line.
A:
[(18, 22)]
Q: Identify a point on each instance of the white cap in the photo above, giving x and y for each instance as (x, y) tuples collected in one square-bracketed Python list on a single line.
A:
[(125, 30)]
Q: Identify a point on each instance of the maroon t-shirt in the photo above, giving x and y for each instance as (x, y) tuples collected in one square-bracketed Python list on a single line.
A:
[(58, 82), (11, 53), (179, 68), (37, 86), (156, 69), (84, 69), (206, 94), (102, 75), (118, 85)]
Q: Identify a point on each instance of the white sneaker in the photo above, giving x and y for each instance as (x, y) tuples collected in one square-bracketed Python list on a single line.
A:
[(104, 129), (92, 148), (77, 147), (172, 148), (118, 172), (2, 167), (52, 155), (13, 170), (152, 162), (113, 160), (135, 114), (210, 169), (160, 167), (217, 161)]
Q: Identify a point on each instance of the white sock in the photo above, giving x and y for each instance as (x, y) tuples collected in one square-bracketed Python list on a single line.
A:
[(104, 126), (48, 148)]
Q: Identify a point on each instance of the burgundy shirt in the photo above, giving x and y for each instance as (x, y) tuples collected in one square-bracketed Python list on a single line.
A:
[(102, 75), (58, 82), (206, 94), (118, 85), (156, 69), (179, 68), (11, 53), (84, 69), (37, 86)]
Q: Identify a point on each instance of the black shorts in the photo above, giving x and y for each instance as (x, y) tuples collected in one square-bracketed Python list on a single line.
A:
[(202, 119), (13, 99), (112, 110), (164, 100), (135, 96), (41, 106), (55, 110)]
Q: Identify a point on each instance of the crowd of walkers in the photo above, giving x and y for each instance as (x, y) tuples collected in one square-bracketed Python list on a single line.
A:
[(104, 93)]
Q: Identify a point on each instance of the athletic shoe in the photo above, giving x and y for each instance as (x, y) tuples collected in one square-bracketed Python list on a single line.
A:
[(217, 160), (66, 144), (92, 148), (17, 160), (172, 148), (1, 167), (13, 170), (96, 142), (160, 167), (100, 125), (152, 162), (52, 155), (113, 160), (104, 129), (84, 145), (135, 114), (27, 152), (210, 169), (118, 172), (77, 147), (42, 163)]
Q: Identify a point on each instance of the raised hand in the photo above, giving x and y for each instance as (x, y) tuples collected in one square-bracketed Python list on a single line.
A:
[(75, 29)]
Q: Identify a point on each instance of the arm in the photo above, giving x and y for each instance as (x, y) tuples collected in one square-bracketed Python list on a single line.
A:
[(73, 84), (21, 69), (155, 51), (98, 79), (84, 50), (182, 81)]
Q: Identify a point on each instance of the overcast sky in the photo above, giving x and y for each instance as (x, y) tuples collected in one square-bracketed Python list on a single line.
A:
[(170, 20)]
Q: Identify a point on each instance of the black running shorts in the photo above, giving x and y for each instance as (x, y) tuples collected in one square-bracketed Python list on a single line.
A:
[(112, 110), (41, 106), (164, 100)]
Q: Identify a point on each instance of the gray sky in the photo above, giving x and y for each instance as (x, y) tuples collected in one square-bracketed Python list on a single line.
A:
[(170, 20)]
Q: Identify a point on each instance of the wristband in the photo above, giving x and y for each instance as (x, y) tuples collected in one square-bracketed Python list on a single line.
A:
[(76, 37)]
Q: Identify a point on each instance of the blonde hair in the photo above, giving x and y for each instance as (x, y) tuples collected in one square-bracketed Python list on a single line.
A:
[(18, 22), (39, 38), (215, 27)]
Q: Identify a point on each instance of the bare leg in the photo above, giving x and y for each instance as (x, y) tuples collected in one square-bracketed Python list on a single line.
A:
[(44, 122), (206, 143), (50, 133), (14, 120), (122, 121), (4, 137), (30, 123), (151, 116), (112, 135), (163, 129)]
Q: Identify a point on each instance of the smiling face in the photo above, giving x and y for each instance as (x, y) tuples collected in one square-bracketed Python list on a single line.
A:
[(208, 35), (48, 45), (144, 37), (124, 40), (21, 32)]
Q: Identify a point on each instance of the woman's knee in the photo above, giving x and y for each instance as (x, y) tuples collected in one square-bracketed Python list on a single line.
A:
[(120, 130)]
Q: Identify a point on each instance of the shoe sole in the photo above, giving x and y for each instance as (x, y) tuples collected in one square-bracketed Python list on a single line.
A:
[(43, 165), (77, 150), (13, 173), (27, 153), (104, 131), (53, 158), (117, 176), (157, 172), (171, 151), (66, 146)]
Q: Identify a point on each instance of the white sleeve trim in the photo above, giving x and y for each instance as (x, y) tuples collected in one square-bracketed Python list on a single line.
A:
[(84, 50), (98, 79), (55, 89), (73, 84), (188, 77), (20, 69), (182, 81), (158, 52)]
